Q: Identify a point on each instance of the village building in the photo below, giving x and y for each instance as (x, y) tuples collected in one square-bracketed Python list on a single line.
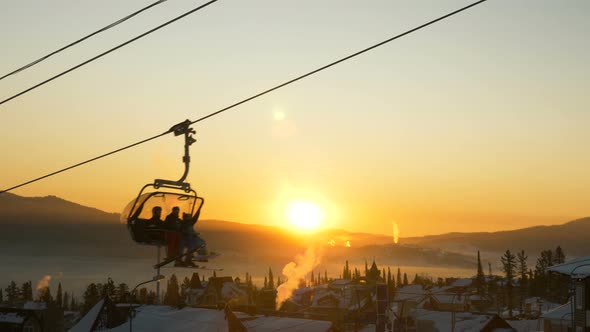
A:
[(31, 316), (218, 291), (436, 321), (19, 320), (579, 271)]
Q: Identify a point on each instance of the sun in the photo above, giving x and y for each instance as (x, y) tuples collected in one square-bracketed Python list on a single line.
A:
[(304, 214)]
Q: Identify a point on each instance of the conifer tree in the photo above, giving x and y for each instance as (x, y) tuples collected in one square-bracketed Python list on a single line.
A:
[(416, 280), (388, 275), (347, 273), (271, 280), (312, 278), (542, 279), (559, 282), (279, 281), (265, 282), (522, 269), (480, 278), (366, 269), (108, 289), (509, 267), (195, 282), (405, 279), (122, 293), (45, 295), (559, 256), (27, 291), (73, 305), (390, 283), (143, 295), (383, 275), (326, 276), (59, 296), (172, 296), (66, 301), (12, 292), (91, 297), (399, 277)]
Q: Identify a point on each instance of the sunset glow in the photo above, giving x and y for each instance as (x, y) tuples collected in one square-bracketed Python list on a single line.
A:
[(304, 215)]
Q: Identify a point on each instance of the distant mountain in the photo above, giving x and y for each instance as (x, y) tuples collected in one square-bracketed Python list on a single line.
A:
[(49, 210), (56, 227), (571, 236)]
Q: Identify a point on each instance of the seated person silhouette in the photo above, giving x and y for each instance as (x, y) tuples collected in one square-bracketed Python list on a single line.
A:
[(191, 240), (154, 225), (172, 224)]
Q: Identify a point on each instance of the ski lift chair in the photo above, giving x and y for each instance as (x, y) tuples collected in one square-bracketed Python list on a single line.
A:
[(165, 194), (138, 213)]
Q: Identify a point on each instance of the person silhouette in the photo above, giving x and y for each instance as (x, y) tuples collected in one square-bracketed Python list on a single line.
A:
[(156, 219), (191, 240), (172, 235)]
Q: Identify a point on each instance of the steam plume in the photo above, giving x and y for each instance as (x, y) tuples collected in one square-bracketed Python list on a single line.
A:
[(43, 283), (395, 232), (295, 271)]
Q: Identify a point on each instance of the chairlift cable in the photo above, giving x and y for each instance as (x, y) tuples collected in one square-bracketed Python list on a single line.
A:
[(252, 97), (107, 52), (105, 28), (338, 61)]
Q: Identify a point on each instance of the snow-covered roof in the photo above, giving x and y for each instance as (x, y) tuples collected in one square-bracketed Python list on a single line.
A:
[(441, 320), (271, 323), (30, 305), (319, 297), (464, 282), (410, 292), (152, 318), (449, 298), (340, 282), (561, 312), (230, 291), (300, 291), (580, 267), (11, 317), (525, 325), (437, 289), (85, 324)]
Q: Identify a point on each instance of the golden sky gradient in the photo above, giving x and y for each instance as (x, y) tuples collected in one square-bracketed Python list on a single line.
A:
[(478, 123)]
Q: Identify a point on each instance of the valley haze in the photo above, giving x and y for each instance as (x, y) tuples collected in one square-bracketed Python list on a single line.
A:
[(78, 245)]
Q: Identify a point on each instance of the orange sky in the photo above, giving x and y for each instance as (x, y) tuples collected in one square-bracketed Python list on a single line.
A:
[(475, 124)]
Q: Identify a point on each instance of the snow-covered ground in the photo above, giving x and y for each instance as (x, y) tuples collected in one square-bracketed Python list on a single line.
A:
[(164, 318), (270, 323)]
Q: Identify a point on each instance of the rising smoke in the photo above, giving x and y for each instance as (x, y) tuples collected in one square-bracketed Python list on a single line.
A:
[(297, 270), (43, 282), (395, 232)]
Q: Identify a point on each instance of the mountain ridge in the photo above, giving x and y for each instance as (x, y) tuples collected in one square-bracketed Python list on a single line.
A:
[(54, 210)]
